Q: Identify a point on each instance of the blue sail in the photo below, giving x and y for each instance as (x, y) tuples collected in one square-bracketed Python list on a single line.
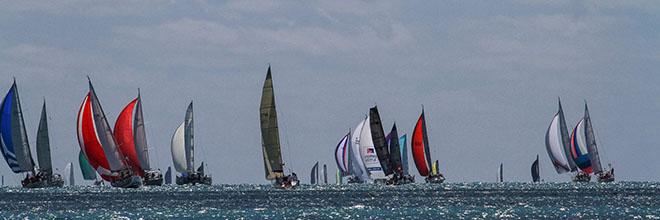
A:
[(404, 154), (15, 148)]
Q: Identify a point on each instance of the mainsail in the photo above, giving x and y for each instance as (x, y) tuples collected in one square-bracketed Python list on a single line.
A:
[(96, 139), (357, 164), (404, 153), (183, 144), (591, 142), (579, 150), (15, 147), (557, 143), (87, 169), (500, 173), (380, 144), (270, 136), (43, 143), (168, 176), (535, 170), (342, 155), (420, 147), (395, 151), (314, 175), (368, 153), (131, 137)]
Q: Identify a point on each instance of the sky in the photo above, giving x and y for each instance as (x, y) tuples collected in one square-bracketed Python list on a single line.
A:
[(488, 74)]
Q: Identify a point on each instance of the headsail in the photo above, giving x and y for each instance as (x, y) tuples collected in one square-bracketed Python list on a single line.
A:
[(557, 142), (87, 169), (69, 169), (15, 147), (420, 147), (579, 150), (404, 153), (591, 142), (96, 139), (130, 136), (357, 164), (380, 144), (182, 144), (270, 136), (368, 153), (342, 155), (314, 175), (535, 170), (395, 151), (43, 143)]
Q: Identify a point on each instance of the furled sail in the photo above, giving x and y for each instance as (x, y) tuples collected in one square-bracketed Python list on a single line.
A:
[(342, 156), (368, 153), (395, 151), (182, 144), (131, 137), (314, 175), (557, 141), (357, 164), (87, 169), (420, 147), (579, 150), (404, 153), (15, 147), (43, 143), (590, 138), (96, 139), (270, 136), (500, 173), (168, 175), (380, 144), (535, 170)]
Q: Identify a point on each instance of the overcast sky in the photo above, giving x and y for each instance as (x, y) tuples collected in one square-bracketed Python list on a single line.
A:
[(488, 73)]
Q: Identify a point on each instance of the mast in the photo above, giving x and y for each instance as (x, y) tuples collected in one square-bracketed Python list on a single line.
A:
[(43, 143), (380, 144), (270, 140), (594, 157)]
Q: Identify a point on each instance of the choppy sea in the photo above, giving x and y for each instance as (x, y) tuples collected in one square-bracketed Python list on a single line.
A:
[(624, 200)]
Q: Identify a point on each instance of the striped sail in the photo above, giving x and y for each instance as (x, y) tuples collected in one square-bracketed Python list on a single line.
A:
[(342, 155), (579, 150), (368, 153), (43, 143), (357, 164), (380, 144), (270, 136), (131, 136), (590, 139), (404, 153), (15, 147), (420, 147), (87, 170), (96, 139), (554, 143)]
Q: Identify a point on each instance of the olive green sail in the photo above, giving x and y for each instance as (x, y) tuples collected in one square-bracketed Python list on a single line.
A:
[(270, 139)]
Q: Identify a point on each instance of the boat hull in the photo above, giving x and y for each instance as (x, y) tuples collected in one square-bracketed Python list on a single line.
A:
[(435, 179), (354, 179), (128, 182), (194, 179), (39, 181), (400, 180), (152, 178), (606, 177), (581, 177)]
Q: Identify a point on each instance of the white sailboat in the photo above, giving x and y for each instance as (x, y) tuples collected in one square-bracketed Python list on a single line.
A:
[(183, 152)]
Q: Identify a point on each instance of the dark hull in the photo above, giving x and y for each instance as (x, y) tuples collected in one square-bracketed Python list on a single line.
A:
[(194, 179), (353, 179), (400, 180), (128, 182), (581, 177), (43, 182), (435, 179), (606, 177), (152, 178)]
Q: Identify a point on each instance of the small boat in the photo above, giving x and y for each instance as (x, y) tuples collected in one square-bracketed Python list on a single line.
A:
[(15, 146), (346, 164), (325, 174), (168, 176), (396, 162), (132, 142), (403, 143), (536, 177), (69, 169), (500, 173), (314, 175), (87, 170), (585, 151), (183, 153), (558, 145), (270, 139), (358, 168), (97, 142), (421, 153)]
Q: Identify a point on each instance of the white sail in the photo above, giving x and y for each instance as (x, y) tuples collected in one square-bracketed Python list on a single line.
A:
[(368, 154), (358, 167), (555, 146), (178, 149)]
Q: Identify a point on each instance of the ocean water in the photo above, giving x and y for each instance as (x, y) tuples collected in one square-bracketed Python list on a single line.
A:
[(625, 200)]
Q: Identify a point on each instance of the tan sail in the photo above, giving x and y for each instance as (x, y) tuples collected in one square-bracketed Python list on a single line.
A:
[(270, 140)]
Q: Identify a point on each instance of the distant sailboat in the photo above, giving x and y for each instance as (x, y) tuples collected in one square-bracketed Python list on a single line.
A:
[(536, 177), (343, 156), (325, 174), (403, 143), (338, 179), (99, 146), (270, 138), (15, 146), (168, 176), (314, 176), (360, 173), (368, 154), (558, 145), (421, 152), (500, 173), (396, 160), (585, 151), (69, 169), (183, 152), (132, 141)]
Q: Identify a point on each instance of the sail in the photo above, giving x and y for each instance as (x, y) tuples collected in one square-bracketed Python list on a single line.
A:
[(434, 168), (270, 136), (200, 169), (338, 179), (87, 169), (69, 170), (168, 175), (590, 138), (178, 150), (96, 139), (189, 138), (566, 139), (380, 144), (554, 144), (535, 170), (342, 154), (500, 173), (314, 175), (579, 150), (325, 174), (395, 151), (15, 147), (368, 153), (404, 154), (357, 165), (43, 143), (131, 136), (420, 147)]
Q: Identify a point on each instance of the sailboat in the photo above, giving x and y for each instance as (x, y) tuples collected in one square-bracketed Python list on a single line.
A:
[(270, 138), (325, 174), (421, 153), (314, 175), (359, 170), (535, 170), (168, 176), (69, 169), (500, 173), (87, 170), (558, 145), (396, 161), (338, 179), (99, 146), (346, 164), (403, 144), (585, 151), (15, 146), (183, 153), (132, 142)]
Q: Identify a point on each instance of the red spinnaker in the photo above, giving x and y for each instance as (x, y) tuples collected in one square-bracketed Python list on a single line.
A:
[(124, 135), (419, 147), (89, 139)]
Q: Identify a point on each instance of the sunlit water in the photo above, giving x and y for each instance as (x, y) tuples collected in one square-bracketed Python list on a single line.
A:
[(447, 201)]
